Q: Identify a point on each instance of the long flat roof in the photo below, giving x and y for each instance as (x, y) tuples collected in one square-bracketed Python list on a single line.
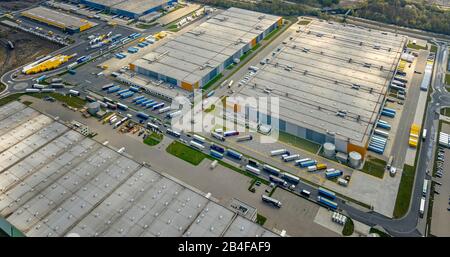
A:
[(139, 6), (60, 18), (134, 6), (192, 55), (55, 182), (314, 74)]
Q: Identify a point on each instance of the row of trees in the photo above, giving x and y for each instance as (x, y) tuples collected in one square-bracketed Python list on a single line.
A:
[(413, 14), (277, 7)]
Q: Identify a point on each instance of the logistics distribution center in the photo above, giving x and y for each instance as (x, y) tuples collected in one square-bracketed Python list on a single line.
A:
[(56, 182), (331, 81), (129, 8), (194, 58), (60, 20)]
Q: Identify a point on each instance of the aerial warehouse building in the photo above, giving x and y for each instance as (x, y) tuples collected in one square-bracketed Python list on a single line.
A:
[(331, 80), (129, 8), (61, 20), (196, 57)]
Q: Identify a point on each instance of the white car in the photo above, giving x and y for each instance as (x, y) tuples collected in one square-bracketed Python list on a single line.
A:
[(393, 171)]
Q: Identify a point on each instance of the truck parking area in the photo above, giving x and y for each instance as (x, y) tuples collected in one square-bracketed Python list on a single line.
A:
[(441, 200)]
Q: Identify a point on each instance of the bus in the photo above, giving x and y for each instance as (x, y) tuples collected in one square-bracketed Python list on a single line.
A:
[(425, 187), (271, 200)]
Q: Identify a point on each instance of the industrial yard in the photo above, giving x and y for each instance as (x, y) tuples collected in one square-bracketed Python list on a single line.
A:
[(93, 147), (325, 58), (27, 48), (86, 183)]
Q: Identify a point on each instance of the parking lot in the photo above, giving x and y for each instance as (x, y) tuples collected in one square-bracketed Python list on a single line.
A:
[(440, 225), (296, 216)]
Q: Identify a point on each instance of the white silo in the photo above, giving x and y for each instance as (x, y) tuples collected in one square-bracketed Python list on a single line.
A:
[(329, 150), (355, 159)]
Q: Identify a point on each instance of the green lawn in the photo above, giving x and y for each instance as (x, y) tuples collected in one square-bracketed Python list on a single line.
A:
[(185, 153), (10, 98), (445, 111), (447, 79), (214, 80), (145, 25), (271, 34), (414, 46), (379, 232), (194, 157), (349, 227), (298, 142), (303, 22), (374, 167), (72, 101), (172, 26), (433, 48), (211, 108), (153, 139), (260, 219), (404, 191)]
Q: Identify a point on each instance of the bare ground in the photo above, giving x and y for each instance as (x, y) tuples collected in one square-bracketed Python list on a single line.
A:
[(26, 48), (14, 5)]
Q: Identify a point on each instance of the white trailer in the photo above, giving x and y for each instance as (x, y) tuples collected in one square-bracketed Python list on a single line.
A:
[(74, 92), (253, 170), (196, 145), (278, 152), (342, 182), (199, 138), (290, 157)]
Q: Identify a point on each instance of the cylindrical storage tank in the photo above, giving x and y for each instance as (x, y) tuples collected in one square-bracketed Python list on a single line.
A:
[(329, 150), (93, 108), (355, 159)]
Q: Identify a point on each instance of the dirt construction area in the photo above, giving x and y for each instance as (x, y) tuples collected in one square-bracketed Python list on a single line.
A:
[(26, 48), (14, 5)]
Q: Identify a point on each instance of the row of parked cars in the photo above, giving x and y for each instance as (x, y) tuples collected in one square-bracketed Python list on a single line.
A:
[(440, 162), (440, 169)]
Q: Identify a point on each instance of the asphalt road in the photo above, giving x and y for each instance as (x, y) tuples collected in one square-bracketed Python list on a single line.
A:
[(406, 226)]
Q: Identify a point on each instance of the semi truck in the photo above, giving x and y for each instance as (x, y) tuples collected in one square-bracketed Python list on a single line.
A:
[(271, 200), (217, 136), (216, 154), (244, 138), (326, 193), (230, 133), (288, 158), (278, 181), (199, 139), (253, 170), (173, 133), (217, 148), (234, 154), (327, 203), (333, 174), (271, 169), (278, 152), (291, 178), (196, 145)]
